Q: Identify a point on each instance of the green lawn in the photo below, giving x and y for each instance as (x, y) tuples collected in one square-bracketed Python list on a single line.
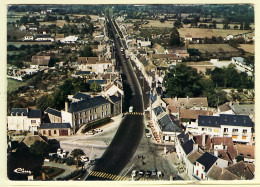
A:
[(13, 85)]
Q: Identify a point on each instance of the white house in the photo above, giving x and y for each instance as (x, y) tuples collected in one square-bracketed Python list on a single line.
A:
[(239, 127), (28, 38), (69, 39), (43, 37), (24, 119)]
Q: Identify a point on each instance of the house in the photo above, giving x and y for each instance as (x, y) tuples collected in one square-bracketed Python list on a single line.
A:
[(85, 111), (166, 129), (217, 173), (69, 39), (24, 119), (59, 37), (158, 49), (246, 151), (28, 38), (198, 103), (43, 37), (191, 158), (79, 96), (81, 74), (116, 103), (239, 127), (55, 129), (203, 164), (31, 139), (229, 37), (54, 115), (188, 37), (240, 62), (94, 64), (114, 88), (143, 43), (242, 170), (245, 109), (225, 109), (189, 118), (22, 28), (40, 62), (33, 27)]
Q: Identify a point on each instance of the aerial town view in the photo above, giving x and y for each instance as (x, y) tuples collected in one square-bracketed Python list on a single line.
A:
[(130, 92)]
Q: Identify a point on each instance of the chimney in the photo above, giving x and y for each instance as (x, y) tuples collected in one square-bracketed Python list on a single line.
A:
[(176, 99), (216, 152), (195, 147), (203, 140), (98, 57), (66, 106), (187, 97), (190, 135), (113, 68)]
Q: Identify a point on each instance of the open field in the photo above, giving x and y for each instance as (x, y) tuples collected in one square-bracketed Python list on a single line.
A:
[(18, 44), (201, 33), (14, 32), (250, 48), (213, 48), (13, 85)]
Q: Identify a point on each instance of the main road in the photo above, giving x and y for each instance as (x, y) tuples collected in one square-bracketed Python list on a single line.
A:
[(129, 134)]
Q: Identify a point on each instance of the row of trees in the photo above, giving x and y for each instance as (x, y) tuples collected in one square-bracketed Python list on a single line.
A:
[(59, 96), (183, 81)]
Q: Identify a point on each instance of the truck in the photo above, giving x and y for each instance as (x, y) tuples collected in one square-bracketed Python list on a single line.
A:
[(131, 109)]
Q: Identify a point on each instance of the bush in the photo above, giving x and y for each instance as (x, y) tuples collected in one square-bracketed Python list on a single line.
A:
[(70, 161), (96, 124)]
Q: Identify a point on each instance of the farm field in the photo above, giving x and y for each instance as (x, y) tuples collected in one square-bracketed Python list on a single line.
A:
[(13, 85), (18, 44), (250, 48), (213, 48)]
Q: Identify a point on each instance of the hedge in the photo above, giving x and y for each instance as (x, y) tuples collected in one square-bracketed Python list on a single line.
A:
[(96, 124)]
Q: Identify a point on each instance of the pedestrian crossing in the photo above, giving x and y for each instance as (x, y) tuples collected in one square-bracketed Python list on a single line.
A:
[(135, 113), (109, 176)]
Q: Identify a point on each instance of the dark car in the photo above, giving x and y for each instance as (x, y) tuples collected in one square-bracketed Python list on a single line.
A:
[(147, 131), (148, 173)]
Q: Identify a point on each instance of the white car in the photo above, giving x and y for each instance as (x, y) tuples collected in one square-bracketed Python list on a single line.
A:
[(84, 159), (98, 130), (148, 135), (131, 109), (90, 133), (134, 173)]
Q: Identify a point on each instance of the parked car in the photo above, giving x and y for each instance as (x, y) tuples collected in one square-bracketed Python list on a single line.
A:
[(148, 135), (131, 109), (154, 172), (90, 133), (148, 173), (98, 130), (134, 173), (84, 158), (122, 115), (159, 174), (147, 131), (141, 173)]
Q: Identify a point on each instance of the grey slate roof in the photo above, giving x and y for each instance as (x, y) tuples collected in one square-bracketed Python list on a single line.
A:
[(235, 120), (183, 138), (115, 99), (153, 97), (81, 96), (188, 146), (87, 104), (34, 113), (158, 110), (97, 81), (18, 112), (31, 113), (209, 121), (244, 109), (55, 126), (53, 112), (166, 124), (83, 72), (207, 160)]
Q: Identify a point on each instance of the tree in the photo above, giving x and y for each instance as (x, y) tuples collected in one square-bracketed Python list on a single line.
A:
[(182, 81), (175, 37), (95, 87), (76, 154), (217, 75), (67, 19), (44, 102), (24, 20), (86, 52), (177, 24), (39, 148)]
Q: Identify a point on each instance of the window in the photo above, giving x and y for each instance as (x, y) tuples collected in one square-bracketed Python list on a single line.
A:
[(54, 131), (244, 131), (43, 132), (235, 130), (33, 121), (197, 164), (90, 111), (95, 110), (234, 137), (203, 129), (197, 172), (210, 129), (225, 129), (202, 176), (203, 167), (216, 130), (106, 106), (249, 155), (243, 137)]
